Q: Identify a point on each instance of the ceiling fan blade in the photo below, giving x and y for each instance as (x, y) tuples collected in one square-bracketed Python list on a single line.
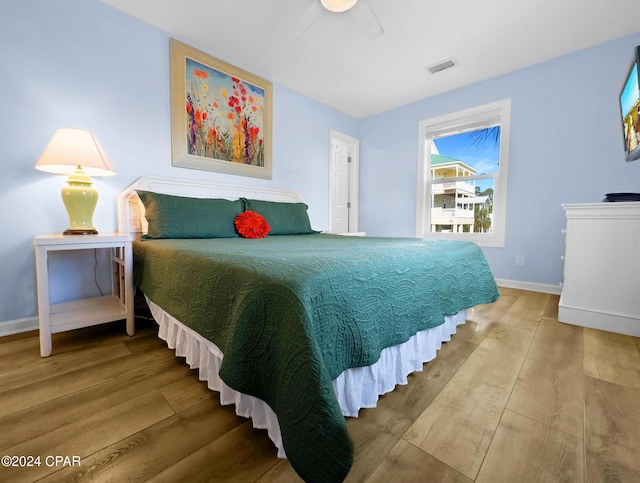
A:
[(309, 16), (366, 19)]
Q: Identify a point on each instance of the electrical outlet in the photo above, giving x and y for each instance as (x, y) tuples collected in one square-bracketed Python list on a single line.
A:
[(520, 260)]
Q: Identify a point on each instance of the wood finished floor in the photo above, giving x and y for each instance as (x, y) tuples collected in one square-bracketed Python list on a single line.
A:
[(515, 396)]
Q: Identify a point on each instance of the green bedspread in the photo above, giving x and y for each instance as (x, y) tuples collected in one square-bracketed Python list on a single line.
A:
[(290, 313)]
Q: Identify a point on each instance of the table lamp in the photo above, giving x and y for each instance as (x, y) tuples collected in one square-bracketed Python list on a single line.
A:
[(77, 153)]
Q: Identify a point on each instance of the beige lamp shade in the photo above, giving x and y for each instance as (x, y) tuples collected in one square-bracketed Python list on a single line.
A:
[(338, 5), (70, 148)]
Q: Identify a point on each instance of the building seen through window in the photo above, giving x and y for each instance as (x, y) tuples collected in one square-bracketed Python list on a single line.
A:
[(462, 175), (460, 203)]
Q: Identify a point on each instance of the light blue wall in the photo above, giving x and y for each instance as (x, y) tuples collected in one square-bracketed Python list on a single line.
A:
[(81, 63), (565, 147)]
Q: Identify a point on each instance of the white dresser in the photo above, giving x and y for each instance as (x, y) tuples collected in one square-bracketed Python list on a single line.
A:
[(601, 286)]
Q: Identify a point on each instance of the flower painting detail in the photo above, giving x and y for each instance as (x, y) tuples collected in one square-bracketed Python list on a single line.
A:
[(220, 115), (224, 116)]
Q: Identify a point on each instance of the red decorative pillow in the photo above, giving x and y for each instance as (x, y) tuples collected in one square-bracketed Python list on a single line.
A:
[(250, 224)]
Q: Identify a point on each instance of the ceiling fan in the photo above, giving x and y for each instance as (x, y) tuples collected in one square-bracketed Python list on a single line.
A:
[(360, 10)]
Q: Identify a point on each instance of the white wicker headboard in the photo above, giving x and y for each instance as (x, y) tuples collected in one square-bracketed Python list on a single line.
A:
[(131, 211)]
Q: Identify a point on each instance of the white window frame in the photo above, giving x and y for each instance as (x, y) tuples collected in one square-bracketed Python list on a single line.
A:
[(488, 115)]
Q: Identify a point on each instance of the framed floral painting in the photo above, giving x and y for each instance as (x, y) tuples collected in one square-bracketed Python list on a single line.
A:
[(220, 115)]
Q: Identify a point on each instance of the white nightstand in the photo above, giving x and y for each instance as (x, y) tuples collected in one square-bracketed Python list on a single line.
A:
[(90, 311)]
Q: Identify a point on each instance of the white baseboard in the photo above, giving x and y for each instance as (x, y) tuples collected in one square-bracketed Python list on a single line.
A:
[(533, 287), (17, 326)]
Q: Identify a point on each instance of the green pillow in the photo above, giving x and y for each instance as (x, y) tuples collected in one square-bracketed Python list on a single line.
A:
[(283, 218), (171, 216)]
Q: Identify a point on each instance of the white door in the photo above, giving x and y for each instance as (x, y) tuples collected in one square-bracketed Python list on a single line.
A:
[(344, 184)]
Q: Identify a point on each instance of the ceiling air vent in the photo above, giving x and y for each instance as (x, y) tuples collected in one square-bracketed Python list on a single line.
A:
[(440, 66)]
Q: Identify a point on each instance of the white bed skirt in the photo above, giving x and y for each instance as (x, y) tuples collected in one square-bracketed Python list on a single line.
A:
[(355, 388)]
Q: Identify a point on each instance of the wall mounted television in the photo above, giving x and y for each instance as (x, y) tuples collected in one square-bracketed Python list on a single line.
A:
[(630, 109)]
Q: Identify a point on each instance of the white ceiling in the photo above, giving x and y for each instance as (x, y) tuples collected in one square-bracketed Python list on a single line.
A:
[(336, 63)]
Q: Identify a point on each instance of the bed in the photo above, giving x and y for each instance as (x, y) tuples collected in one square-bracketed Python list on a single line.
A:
[(297, 329)]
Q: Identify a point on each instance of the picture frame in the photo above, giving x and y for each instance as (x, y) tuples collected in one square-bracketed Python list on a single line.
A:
[(221, 115)]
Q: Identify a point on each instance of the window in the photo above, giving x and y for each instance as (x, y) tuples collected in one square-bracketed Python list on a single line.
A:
[(462, 188)]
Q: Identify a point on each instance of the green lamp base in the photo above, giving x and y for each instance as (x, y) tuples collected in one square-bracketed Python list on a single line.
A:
[(80, 199)]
